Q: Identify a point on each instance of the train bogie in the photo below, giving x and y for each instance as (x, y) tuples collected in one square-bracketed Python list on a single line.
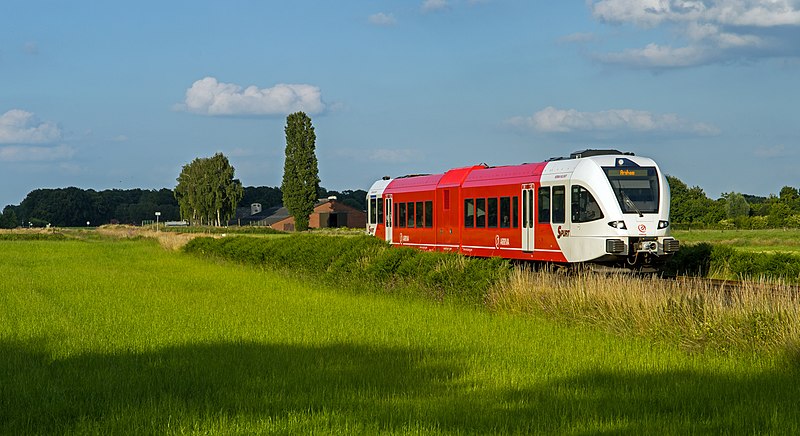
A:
[(596, 206)]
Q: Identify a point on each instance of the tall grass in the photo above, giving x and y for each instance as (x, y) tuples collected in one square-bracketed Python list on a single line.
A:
[(696, 314)]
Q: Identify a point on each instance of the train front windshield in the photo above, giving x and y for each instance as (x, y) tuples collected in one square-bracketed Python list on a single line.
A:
[(636, 189)]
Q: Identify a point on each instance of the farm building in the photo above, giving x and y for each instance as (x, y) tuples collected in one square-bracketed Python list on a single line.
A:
[(327, 213)]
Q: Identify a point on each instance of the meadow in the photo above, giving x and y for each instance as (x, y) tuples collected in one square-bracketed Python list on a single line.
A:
[(121, 336), (755, 241)]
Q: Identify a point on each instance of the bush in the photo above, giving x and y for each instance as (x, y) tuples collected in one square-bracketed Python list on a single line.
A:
[(704, 260), (364, 261)]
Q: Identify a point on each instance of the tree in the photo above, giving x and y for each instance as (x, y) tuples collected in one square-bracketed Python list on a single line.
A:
[(300, 174), (736, 205), (206, 192), (8, 220), (691, 205)]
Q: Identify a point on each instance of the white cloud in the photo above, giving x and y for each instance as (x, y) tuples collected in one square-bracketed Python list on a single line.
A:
[(22, 127), (382, 19), (433, 5), (207, 96), (553, 120), (710, 30), (776, 151), (30, 153)]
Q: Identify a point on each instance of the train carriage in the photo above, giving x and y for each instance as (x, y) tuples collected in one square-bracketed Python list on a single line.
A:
[(599, 206)]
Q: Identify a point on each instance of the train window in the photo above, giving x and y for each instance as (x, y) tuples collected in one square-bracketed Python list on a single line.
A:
[(515, 212), (584, 206), (559, 204), (524, 209), (469, 213), (373, 210), (636, 189), (401, 215), (505, 212), (418, 214), (429, 213), (380, 211), (480, 212), (544, 205), (491, 212), (410, 214)]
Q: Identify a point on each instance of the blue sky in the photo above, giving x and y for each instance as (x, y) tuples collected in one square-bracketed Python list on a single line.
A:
[(109, 95)]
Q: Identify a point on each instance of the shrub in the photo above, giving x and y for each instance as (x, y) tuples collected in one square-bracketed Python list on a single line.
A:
[(361, 261)]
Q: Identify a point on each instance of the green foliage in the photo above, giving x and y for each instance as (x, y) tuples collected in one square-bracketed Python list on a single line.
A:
[(736, 205), (32, 237), (300, 173), (366, 260), (73, 207), (207, 191), (724, 261), (8, 219)]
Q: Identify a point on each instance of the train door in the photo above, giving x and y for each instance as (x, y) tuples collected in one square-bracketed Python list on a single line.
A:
[(389, 216), (527, 218)]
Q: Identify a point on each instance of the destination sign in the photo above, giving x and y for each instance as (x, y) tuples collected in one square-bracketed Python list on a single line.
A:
[(626, 173)]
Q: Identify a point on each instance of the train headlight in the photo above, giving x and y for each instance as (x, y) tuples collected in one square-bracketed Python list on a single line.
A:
[(618, 225), (663, 224)]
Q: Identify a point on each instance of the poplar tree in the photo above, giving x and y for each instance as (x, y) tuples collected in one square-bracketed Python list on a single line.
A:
[(300, 173)]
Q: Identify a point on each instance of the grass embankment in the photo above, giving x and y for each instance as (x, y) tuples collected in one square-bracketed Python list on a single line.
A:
[(695, 315), (124, 337), (756, 241), (761, 255)]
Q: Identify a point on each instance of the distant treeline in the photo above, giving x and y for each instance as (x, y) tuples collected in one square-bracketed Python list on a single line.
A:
[(691, 207), (75, 207)]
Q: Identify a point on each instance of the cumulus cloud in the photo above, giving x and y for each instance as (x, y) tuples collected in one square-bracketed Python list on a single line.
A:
[(33, 153), (433, 5), (382, 19), (777, 151), (21, 127), (208, 96), (553, 120), (710, 31)]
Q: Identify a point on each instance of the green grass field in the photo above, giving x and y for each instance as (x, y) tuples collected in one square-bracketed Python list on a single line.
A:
[(758, 241), (105, 337)]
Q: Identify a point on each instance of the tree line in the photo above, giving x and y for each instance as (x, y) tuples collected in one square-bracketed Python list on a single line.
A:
[(691, 206), (74, 207)]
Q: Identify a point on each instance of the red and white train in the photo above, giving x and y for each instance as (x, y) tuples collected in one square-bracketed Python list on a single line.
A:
[(598, 206)]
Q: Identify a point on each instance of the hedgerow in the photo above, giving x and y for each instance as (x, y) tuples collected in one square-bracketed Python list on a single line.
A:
[(364, 261), (723, 261)]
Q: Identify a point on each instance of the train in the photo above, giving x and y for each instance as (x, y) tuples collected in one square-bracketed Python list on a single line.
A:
[(594, 207)]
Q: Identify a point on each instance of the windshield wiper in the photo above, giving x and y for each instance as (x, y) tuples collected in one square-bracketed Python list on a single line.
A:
[(631, 204)]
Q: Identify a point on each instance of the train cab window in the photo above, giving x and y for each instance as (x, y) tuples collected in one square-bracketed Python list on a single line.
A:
[(505, 212), (401, 215), (559, 204), (380, 211), (636, 189), (469, 213), (418, 214), (491, 212), (373, 210), (480, 212), (544, 205), (429, 213), (584, 206), (410, 215), (515, 212)]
